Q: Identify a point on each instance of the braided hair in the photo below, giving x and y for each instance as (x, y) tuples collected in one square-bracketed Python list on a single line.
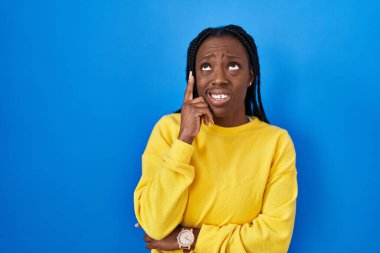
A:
[(251, 100)]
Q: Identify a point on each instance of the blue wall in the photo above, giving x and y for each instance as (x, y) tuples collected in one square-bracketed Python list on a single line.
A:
[(83, 82)]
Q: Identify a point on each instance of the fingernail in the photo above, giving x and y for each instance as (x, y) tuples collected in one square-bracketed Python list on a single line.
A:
[(190, 74), (137, 225)]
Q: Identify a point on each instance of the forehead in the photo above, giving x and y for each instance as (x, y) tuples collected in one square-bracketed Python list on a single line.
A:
[(224, 44)]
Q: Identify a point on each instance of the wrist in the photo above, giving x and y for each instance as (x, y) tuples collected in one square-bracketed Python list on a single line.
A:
[(187, 139), (196, 233), (186, 238)]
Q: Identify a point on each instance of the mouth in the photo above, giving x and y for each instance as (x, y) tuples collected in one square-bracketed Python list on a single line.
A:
[(218, 97)]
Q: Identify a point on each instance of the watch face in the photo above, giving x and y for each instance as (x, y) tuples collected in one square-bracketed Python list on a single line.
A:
[(186, 237)]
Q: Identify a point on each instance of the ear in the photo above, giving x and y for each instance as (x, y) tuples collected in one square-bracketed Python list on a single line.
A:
[(251, 76)]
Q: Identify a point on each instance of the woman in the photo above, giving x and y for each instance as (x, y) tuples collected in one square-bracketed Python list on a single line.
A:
[(216, 176)]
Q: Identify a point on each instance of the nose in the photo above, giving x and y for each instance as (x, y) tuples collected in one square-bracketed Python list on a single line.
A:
[(219, 77)]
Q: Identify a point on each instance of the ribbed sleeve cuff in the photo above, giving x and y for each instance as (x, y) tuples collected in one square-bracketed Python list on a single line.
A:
[(205, 239), (181, 151)]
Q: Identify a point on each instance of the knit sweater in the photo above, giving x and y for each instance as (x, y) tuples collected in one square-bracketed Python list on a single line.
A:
[(238, 184)]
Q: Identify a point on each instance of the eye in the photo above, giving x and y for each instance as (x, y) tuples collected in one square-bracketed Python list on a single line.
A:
[(233, 66), (205, 67)]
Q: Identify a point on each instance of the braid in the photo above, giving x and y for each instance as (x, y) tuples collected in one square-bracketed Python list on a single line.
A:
[(251, 100)]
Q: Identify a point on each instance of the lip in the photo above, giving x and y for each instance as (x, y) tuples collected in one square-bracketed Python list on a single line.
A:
[(221, 102)]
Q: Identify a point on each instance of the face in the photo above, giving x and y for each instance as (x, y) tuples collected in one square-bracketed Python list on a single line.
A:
[(222, 75)]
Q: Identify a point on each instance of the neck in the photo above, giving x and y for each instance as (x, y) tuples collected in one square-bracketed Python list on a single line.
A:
[(232, 121)]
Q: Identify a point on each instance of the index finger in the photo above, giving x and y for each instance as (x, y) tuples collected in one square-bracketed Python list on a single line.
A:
[(189, 88)]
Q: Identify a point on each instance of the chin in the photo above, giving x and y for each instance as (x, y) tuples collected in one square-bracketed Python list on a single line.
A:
[(220, 112)]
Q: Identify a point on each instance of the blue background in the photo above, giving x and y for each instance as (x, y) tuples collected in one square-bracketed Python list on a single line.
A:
[(83, 82)]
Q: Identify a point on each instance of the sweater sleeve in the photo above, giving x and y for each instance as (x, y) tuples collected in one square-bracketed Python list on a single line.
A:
[(161, 195), (272, 229)]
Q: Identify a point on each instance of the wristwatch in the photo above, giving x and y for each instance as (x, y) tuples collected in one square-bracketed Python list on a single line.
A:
[(185, 238)]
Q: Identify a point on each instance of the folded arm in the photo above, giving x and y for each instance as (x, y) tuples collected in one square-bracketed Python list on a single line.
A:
[(161, 195)]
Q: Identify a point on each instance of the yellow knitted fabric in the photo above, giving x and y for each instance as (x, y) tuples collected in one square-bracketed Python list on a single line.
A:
[(238, 184)]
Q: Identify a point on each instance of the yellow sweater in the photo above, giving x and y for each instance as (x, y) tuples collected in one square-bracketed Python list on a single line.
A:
[(238, 184)]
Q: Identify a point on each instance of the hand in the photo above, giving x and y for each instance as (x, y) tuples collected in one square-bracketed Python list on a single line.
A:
[(192, 113), (169, 242)]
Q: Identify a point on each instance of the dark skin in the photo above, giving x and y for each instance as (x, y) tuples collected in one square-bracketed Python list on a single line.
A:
[(222, 65), (169, 242), (222, 69)]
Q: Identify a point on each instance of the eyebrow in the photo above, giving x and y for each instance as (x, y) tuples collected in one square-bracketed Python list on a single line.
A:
[(213, 55), (232, 56)]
